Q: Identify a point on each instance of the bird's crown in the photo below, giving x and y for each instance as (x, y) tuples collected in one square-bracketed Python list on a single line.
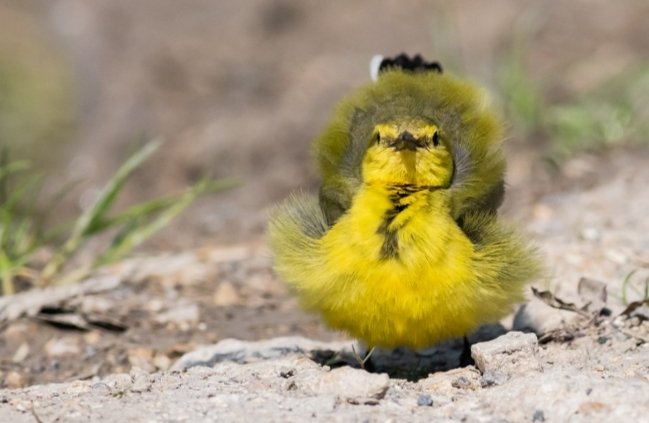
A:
[(416, 63)]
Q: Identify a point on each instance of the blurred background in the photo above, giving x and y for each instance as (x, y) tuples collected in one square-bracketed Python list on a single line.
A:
[(239, 89)]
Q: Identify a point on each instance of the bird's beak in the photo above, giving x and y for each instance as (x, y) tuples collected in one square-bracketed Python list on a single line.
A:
[(406, 141)]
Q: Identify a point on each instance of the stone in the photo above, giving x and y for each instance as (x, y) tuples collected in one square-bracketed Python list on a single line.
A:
[(354, 385), (513, 353), (424, 400), (250, 351), (493, 377), (538, 317), (538, 416)]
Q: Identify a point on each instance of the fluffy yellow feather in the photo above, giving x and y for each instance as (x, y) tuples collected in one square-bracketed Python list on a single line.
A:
[(403, 247)]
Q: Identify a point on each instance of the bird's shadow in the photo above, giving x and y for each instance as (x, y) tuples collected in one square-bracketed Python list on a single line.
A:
[(404, 363)]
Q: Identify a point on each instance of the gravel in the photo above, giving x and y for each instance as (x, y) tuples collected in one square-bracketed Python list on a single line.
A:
[(568, 385)]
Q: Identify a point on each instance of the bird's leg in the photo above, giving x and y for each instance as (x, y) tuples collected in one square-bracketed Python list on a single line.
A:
[(465, 357), (364, 360), (336, 358)]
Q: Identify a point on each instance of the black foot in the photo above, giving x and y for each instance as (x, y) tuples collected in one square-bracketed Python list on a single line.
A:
[(465, 357)]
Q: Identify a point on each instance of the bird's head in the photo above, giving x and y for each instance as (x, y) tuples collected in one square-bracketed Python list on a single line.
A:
[(413, 125), (408, 151)]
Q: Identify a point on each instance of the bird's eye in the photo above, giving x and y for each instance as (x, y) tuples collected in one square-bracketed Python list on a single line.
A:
[(436, 139)]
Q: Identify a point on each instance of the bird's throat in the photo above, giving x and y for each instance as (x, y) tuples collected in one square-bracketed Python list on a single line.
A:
[(409, 160), (405, 203)]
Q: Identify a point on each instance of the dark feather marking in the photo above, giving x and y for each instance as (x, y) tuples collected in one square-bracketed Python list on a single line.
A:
[(489, 203), (336, 198), (332, 207), (474, 236), (310, 224), (390, 246), (494, 199)]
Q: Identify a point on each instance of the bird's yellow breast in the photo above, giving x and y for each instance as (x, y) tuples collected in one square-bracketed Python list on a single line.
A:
[(399, 270)]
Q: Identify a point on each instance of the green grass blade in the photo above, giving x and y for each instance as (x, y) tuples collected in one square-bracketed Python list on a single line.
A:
[(7, 168), (92, 216), (87, 224), (19, 193), (139, 210), (137, 234), (625, 285), (24, 241), (157, 205)]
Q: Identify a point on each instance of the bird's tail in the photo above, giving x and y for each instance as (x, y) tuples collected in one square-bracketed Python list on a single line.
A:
[(294, 232)]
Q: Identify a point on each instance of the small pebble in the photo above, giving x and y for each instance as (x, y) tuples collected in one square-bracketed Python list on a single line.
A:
[(424, 400), (493, 377), (101, 387), (538, 416), (291, 385), (461, 383), (287, 372)]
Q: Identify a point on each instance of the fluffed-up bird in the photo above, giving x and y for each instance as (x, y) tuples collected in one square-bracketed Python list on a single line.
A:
[(403, 245)]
